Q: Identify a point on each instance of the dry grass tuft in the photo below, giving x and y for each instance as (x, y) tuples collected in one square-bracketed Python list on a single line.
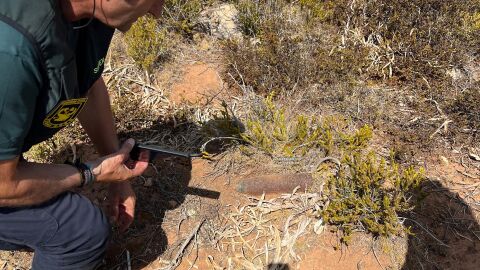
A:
[(253, 238)]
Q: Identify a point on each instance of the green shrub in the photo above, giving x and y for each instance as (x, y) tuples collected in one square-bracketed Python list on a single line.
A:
[(363, 192), (146, 42), (249, 17), (253, 15), (358, 140), (368, 193), (272, 131)]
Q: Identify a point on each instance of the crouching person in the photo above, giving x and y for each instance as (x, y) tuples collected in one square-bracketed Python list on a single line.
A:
[(51, 60)]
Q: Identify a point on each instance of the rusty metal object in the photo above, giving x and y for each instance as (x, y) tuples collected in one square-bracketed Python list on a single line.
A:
[(274, 183)]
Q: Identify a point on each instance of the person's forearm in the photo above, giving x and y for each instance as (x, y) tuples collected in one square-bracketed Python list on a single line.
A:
[(25, 183), (34, 183), (97, 119)]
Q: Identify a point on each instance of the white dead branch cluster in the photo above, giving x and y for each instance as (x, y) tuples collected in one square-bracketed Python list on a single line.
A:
[(265, 232)]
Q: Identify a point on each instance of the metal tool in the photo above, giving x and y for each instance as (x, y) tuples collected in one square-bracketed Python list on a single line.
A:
[(143, 152)]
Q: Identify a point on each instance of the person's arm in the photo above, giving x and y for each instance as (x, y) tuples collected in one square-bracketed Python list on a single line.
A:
[(25, 183), (97, 121), (28, 183)]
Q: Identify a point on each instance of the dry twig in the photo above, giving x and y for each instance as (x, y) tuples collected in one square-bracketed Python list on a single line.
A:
[(178, 257)]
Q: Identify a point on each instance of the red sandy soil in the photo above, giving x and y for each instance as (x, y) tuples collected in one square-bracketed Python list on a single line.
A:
[(199, 83)]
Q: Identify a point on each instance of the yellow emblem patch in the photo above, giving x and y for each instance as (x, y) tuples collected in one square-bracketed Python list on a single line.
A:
[(64, 113)]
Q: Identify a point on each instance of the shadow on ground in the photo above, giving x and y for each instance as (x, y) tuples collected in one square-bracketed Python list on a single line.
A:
[(278, 266), (446, 234), (163, 187)]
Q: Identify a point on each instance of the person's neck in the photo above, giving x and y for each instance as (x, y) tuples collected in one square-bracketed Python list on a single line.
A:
[(74, 10)]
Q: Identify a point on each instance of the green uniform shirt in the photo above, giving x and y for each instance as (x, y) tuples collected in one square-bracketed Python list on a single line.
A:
[(23, 121)]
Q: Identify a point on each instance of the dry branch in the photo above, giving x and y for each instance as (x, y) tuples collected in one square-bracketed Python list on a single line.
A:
[(178, 257)]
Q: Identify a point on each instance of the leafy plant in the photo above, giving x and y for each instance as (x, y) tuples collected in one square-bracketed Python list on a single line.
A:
[(249, 17)]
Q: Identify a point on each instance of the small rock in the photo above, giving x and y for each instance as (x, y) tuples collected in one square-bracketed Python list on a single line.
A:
[(148, 182), (191, 212), (444, 160), (474, 157), (221, 21)]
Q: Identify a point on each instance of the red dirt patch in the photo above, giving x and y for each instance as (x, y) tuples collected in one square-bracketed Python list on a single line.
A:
[(324, 257), (199, 83)]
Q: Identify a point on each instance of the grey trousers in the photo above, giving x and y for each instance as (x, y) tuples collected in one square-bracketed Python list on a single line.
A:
[(67, 232)]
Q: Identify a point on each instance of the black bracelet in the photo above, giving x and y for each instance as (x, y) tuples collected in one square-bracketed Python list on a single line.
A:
[(87, 174), (85, 171)]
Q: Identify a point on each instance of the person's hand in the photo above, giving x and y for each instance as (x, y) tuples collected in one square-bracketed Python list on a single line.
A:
[(113, 168), (121, 205)]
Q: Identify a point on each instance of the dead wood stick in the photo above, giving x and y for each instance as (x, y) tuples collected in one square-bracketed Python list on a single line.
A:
[(376, 257), (178, 257), (444, 126)]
